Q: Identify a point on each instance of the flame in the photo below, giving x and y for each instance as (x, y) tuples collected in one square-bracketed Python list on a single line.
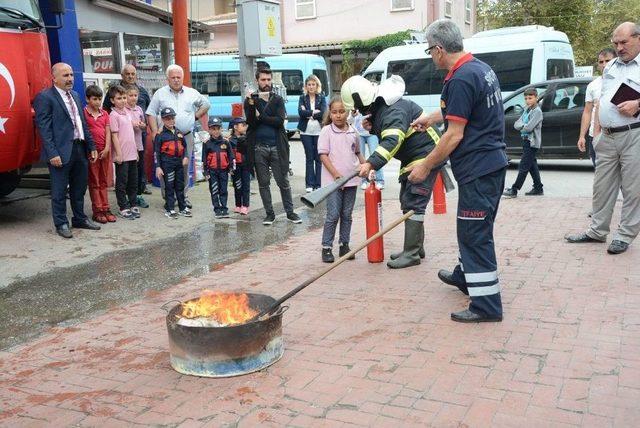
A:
[(225, 308)]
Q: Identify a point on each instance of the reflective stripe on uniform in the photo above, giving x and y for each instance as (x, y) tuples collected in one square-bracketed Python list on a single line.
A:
[(412, 163), (481, 277), (417, 217), (489, 290), (471, 218), (401, 137), (433, 134), (383, 152)]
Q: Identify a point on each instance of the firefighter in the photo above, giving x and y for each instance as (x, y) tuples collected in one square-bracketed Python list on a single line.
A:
[(390, 117), (218, 161)]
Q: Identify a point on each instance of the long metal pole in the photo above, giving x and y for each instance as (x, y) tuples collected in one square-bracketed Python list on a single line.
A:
[(181, 37), (247, 64)]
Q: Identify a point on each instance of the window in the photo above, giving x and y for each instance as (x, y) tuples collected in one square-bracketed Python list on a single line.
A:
[(305, 9), (568, 97), (467, 11), (374, 76), (420, 76), (100, 52), (290, 79), (206, 82), (513, 68), (322, 75), (400, 5), (448, 8), (559, 68), (516, 105)]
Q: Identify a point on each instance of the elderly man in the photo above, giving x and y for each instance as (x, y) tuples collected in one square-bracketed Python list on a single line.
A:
[(617, 146), (130, 78), (189, 106), (66, 145), (471, 107)]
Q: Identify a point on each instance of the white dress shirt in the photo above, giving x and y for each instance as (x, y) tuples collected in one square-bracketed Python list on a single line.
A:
[(78, 132), (614, 74)]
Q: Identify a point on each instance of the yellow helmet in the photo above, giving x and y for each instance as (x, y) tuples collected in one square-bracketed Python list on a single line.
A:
[(358, 93)]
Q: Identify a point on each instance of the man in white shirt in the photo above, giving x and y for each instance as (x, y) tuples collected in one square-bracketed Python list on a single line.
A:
[(593, 95), (617, 147)]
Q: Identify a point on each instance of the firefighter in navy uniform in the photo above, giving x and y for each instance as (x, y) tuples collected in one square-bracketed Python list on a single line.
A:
[(471, 108), (170, 154), (390, 117), (218, 161)]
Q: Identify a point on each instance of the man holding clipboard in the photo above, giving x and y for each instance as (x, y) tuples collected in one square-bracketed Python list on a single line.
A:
[(617, 145)]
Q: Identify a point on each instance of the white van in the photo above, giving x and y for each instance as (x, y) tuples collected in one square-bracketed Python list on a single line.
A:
[(518, 55)]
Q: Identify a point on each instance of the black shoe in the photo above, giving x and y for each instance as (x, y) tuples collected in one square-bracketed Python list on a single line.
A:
[(87, 224), (344, 249), (327, 255), (617, 247), (294, 218), (447, 277), (535, 192), (187, 203), (269, 219), (146, 191), (468, 316), (64, 231), (510, 193), (580, 238)]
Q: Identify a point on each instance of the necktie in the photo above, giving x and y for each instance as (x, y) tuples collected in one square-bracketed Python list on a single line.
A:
[(73, 114)]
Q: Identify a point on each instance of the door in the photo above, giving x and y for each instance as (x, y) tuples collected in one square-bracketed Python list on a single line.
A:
[(561, 125)]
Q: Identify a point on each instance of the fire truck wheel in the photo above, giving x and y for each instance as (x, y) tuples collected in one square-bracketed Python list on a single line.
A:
[(8, 182)]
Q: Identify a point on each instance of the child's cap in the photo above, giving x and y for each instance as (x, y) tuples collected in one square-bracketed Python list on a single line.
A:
[(167, 112), (215, 121), (235, 121)]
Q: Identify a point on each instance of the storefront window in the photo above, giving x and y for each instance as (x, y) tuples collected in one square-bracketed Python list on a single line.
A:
[(149, 55), (100, 52)]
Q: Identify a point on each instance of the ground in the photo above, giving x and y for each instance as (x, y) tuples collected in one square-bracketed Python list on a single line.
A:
[(369, 346)]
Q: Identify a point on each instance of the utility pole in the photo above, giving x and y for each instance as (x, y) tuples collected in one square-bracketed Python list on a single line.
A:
[(181, 37), (247, 64)]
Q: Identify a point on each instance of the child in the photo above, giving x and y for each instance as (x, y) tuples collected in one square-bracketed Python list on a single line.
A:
[(217, 162), (339, 149), (170, 154), (529, 125), (98, 123), (125, 153), (139, 125), (241, 176)]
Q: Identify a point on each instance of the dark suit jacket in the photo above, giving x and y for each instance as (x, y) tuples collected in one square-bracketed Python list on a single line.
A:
[(56, 127), (305, 114)]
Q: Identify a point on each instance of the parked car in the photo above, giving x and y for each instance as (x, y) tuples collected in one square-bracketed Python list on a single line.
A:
[(562, 102)]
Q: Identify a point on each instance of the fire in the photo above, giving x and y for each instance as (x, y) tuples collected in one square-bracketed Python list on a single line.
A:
[(225, 308)]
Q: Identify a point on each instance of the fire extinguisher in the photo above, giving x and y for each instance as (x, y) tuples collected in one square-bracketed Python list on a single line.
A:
[(373, 217)]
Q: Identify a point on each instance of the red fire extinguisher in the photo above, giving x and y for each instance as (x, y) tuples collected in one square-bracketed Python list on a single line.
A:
[(373, 216)]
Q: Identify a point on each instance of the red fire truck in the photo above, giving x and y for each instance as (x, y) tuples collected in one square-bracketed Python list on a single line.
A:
[(24, 71)]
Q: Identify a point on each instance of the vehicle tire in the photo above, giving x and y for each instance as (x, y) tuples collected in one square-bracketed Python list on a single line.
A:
[(8, 182)]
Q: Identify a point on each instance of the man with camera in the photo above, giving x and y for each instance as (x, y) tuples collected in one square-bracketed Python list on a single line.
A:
[(268, 144)]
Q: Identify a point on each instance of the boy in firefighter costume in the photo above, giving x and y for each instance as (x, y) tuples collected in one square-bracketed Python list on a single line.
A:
[(242, 174), (390, 117), (218, 161), (170, 154)]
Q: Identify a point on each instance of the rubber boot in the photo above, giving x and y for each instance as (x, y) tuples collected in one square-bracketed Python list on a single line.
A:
[(413, 241), (421, 253)]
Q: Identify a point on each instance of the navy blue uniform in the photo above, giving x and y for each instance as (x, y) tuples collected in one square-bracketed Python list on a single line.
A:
[(471, 94), (242, 174), (218, 161), (169, 149)]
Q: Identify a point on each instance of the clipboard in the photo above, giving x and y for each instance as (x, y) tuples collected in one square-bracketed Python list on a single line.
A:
[(624, 93)]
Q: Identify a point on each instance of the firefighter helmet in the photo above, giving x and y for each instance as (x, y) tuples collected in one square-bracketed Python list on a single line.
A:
[(358, 93)]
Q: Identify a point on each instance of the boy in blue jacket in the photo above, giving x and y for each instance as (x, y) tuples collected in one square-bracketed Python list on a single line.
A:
[(218, 161)]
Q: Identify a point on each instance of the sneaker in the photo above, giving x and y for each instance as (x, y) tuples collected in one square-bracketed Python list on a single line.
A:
[(244, 210), (136, 212), (146, 191), (187, 202), (309, 189), (237, 210), (141, 202), (510, 193), (379, 185), (126, 213), (327, 255), (364, 185), (535, 192), (269, 219), (224, 214), (344, 249), (186, 212), (294, 218), (171, 214), (110, 217)]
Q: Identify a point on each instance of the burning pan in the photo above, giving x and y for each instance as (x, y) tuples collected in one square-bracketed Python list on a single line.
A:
[(228, 350)]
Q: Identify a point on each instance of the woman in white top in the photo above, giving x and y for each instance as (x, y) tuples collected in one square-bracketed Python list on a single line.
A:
[(311, 108)]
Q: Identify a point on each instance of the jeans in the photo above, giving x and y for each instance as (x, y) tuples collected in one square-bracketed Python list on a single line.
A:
[(313, 164), (528, 165), (267, 156), (241, 185), (173, 182), (370, 141), (339, 208), (127, 184)]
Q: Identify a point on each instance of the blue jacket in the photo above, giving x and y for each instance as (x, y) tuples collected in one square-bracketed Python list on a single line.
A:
[(305, 114), (56, 127)]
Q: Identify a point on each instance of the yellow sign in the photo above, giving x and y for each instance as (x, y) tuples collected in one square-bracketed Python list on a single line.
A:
[(271, 26)]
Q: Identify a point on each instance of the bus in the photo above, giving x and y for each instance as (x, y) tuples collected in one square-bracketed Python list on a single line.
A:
[(518, 55), (218, 76)]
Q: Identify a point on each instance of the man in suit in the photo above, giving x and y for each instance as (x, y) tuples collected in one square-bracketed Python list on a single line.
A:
[(66, 144)]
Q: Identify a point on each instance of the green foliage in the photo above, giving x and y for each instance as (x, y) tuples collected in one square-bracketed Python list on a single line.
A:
[(587, 23), (375, 45)]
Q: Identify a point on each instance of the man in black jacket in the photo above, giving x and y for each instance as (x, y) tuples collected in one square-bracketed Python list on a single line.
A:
[(268, 144)]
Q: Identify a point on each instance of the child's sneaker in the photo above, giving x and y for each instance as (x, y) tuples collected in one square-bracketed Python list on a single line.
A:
[(126, 213), (244, 210), (327, 255), (510, 193), (136, 212), (344, 249), (237, 210), (224, 214), (141, 202), (186, 212), (171, 214)]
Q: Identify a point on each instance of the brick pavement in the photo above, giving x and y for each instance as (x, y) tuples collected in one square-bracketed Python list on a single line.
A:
[(368, 346)]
